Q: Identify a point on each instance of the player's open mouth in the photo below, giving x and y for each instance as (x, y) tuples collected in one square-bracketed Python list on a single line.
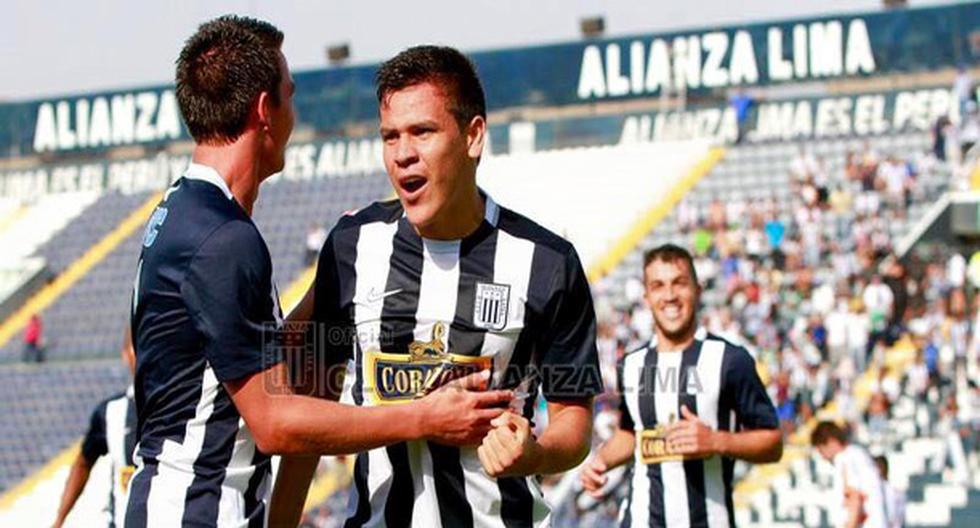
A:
[(411, 185)]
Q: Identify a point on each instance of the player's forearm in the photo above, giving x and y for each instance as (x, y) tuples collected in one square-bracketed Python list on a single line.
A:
[(618, 450), (77, 478), (302, 425), (292, 485), (759, 447), (565, 443)]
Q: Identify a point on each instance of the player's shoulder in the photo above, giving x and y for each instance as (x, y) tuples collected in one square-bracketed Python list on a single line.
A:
[(737, 361), (635, 354), (520, 226), (388, 211), (100, 408), (732, 345), (239, 235)]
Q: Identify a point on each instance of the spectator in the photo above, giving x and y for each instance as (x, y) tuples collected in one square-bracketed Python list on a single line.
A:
[(969, 128), (857, 483), (894, 497), (33, 344)]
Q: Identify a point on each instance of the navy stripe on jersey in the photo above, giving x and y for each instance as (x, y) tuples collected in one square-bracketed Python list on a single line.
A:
[(648, 417), (397, 331), (693, 469), (362, 508), (219, 442)]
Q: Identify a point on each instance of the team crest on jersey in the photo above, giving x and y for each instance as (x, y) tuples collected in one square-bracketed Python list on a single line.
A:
[(428, 365), (490, 306)]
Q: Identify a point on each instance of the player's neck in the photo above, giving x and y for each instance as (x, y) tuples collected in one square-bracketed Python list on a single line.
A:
[(234, 164), (675, 343), (459, 219)]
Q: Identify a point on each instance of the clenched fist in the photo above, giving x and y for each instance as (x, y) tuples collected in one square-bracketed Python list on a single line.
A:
[(509, 449)]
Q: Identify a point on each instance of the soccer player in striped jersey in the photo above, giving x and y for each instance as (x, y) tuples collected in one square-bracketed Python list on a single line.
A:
[(206, 317), (444, 280), (112, 433), (692, 403)]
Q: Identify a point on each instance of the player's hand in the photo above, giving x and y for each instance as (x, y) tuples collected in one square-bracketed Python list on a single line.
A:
[(593, 476), (691, 437), (509, 449), (459, 412)]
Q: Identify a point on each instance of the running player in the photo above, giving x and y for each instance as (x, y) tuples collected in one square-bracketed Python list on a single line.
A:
[(112, 433), (858, 485), (445, 279), (692, 403)]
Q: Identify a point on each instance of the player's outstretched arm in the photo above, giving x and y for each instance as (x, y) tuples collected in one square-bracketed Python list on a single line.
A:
[(615, 452), (456, 414), (511, 450), (81, 468), (290, 490)]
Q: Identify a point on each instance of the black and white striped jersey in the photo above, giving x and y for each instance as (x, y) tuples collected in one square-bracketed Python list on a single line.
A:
[(112, 433), (203, 305), (718, 382), (512, 295)]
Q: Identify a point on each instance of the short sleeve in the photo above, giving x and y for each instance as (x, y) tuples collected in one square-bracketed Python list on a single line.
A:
[(745, 392), (570, 360), (94, 444), (625, 418), (228, 291), (328, 311)]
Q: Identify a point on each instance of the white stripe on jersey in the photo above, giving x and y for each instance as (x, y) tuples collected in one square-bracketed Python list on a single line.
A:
[(437, 302), (175, 468), (511, 265), (709, 373), (374, 248), (115, 437), (239, 471), (676, 512), (639, 503)]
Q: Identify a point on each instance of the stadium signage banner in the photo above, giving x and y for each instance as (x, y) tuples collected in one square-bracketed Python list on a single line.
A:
[(720, 59), (309, 161), (106, 121), (705, 61), (811, 118)]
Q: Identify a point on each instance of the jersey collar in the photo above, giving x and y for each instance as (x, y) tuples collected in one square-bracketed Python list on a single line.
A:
[(196, 171)]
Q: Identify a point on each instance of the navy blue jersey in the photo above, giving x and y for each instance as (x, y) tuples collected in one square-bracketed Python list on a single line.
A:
[(112, 433), (715, 380), (204, 301)]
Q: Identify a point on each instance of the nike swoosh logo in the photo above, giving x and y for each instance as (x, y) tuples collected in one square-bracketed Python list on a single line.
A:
[(374, 296)]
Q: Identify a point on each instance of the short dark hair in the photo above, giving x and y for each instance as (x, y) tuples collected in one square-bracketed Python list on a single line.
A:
[(222, 68), (825, 431), (882, 462), (440, 65), (670, 253)]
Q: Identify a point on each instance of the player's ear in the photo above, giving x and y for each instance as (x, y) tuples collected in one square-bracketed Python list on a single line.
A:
[(263, 111), (476, 135)]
